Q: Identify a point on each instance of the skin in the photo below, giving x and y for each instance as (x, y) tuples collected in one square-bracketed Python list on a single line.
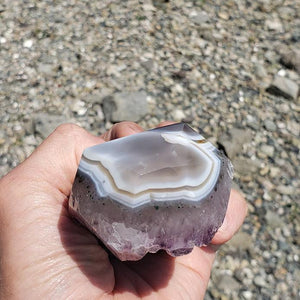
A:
[(44, 254)]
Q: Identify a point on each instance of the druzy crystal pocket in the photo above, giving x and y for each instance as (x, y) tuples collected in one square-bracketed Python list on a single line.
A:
[(166, 188)]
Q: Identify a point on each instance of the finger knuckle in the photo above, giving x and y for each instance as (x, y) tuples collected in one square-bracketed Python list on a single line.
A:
[(68, 129), (125, 124)]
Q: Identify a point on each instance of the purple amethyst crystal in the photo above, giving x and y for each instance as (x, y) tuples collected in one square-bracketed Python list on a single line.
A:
[(166, 188)]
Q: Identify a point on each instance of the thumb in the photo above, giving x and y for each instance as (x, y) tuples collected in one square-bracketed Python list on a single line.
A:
[(45, 178)]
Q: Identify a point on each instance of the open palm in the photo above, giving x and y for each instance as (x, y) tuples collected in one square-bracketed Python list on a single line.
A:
[(45, 254)]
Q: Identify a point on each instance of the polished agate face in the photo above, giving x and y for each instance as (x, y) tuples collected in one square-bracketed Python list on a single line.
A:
[(165, 188)]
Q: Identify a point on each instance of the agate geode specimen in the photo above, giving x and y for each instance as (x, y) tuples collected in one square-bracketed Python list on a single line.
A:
[(166, 188)]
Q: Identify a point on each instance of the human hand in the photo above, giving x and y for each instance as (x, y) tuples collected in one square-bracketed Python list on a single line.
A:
[(44, 254)]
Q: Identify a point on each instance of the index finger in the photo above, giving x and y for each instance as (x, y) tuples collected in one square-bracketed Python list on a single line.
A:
[(234, 218)]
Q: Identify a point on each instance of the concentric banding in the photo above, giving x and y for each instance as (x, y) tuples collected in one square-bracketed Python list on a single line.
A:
[(156, 165), (166, 189)]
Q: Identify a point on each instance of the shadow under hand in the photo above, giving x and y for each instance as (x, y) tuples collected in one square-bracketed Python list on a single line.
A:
[(139, 278), (145, 276)]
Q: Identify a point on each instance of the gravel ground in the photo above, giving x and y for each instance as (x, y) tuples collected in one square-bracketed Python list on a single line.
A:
[(228, 68)]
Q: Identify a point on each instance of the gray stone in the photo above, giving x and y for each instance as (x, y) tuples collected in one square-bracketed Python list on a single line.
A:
[(30, 140), (27, 43), (259, 281), (291, 59), (260, 71), (270, 125), (178, 115), (245, 166), (274, 25), (253, 123), (148, 64), (285, 189), (247, 295), (46, 69), (227, 283), (234, 140), (241, 241), (273, 220), (199, 17), (223, 15), (100, 116), (97, 96), (45, 123), (265, 5), (268, 150), (271, 56), (28, 125), (295, 35), (130, 106), (79, 107), (284, 87)]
